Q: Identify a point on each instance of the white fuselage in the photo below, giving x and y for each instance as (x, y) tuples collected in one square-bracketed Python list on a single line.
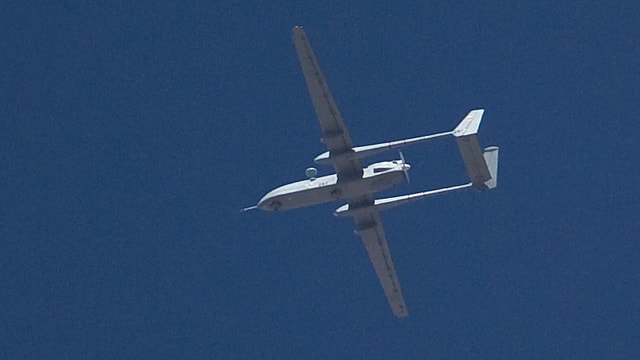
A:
[(376, 177)]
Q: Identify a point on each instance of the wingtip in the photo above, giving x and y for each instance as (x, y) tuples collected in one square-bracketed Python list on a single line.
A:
[(401, 313)]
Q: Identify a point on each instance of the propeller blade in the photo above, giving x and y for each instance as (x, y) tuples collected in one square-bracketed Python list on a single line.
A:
[(404, 168)]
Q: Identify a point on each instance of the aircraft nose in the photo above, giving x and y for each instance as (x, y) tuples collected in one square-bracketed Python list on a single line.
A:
[(406, 167)]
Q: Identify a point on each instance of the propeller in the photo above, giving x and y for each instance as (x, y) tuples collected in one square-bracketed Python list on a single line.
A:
[(405, 167)]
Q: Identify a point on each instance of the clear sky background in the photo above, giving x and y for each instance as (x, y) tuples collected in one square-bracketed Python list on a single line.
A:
[(132, 132)]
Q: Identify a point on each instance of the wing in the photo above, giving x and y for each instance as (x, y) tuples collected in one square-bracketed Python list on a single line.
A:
[(334, 133), (369, 227)]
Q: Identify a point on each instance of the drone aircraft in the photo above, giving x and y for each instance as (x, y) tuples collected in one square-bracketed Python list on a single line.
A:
[(357, 186)]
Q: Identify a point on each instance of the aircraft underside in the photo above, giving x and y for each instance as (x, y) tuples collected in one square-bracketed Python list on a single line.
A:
[(326, 189)]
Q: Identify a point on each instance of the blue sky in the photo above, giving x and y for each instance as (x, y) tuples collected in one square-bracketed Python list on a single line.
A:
[(133, 132)]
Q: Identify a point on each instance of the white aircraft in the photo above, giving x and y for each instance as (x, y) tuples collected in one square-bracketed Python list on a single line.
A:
[(357, 185)]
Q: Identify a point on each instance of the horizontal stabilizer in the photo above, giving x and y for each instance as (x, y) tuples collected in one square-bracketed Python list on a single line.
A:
[(470, 124)]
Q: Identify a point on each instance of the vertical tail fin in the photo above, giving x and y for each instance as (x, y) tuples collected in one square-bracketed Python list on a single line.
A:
[(491, 158), (470, 124), (481, 166)]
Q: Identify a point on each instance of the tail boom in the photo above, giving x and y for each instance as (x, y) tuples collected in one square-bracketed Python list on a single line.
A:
[(388, 203), (488, 159), (468, 126)]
